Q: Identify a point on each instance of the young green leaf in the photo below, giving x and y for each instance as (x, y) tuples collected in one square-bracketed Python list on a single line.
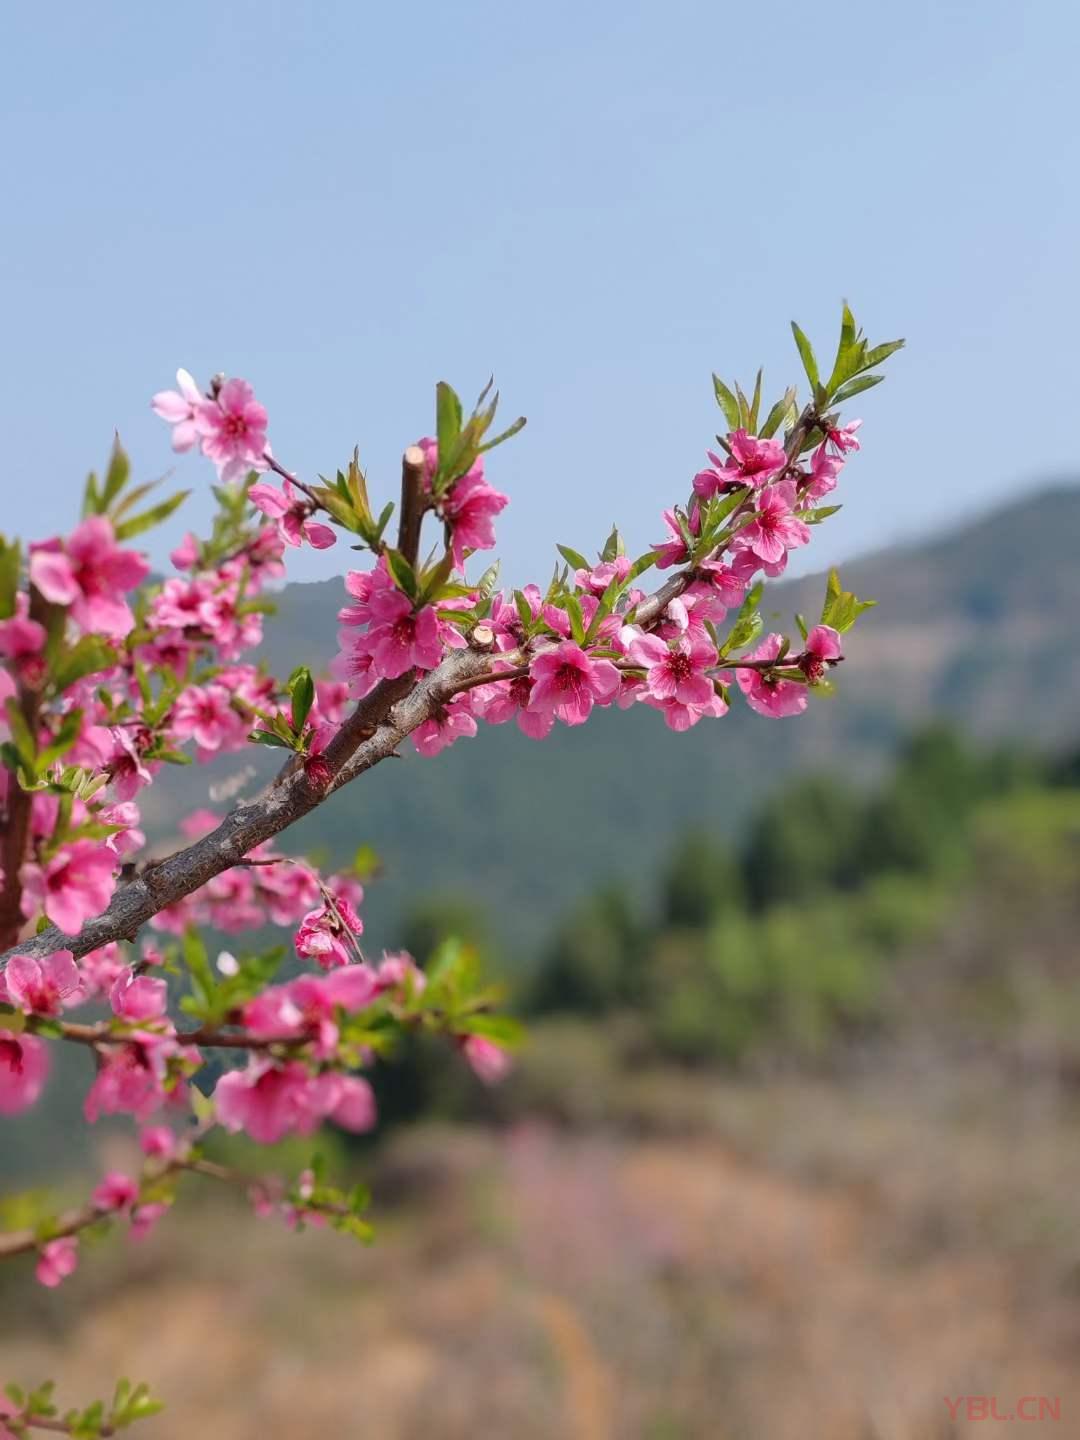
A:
[(728, 403), (806, 354)]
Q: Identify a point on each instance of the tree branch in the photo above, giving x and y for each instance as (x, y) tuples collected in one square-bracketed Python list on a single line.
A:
[(378, 725)]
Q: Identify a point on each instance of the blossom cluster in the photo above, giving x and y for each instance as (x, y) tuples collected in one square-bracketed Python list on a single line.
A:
[(108, 675)]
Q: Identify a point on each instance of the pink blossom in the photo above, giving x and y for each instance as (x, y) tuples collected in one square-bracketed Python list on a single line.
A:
[(158, 1142), (233, 430), (8, 1409), (752, 462), (89, 574), (673, 551), (138, 998), (178, 407), (100, 968), (844, 439), (287, 891), (19, 635), (400, 969), (145, 1217), (269, 1101), (206, 714), (292, 515), (451, 722), (308, 1006), (775, 529), (597, 580), (24, 1066), (125, 764), (677, 670), (470, 507), (132, 1081), (72, 887), (186, 555), (567, 682), (680, 717), (116, 1192), (511, 701), (354, 1106), (364, 586), (57, 1260), (767, 693), (40, 987), (824, 472), (719, 590), (403, 639), (323, 935), (488, 1061), (822, 649)]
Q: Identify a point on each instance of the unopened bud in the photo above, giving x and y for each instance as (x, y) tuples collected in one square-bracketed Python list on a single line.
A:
[(318, 772)]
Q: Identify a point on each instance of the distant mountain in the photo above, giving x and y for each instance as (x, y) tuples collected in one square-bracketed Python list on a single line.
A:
[(978, 626)]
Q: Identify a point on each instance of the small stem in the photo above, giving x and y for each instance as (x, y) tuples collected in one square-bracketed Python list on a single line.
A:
[(300, 485), (58, 1427)]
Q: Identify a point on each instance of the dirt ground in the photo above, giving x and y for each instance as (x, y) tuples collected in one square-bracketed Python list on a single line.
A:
[(814, 1261)]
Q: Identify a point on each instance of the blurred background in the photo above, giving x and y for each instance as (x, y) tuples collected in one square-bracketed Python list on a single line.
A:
[(793, 1147)]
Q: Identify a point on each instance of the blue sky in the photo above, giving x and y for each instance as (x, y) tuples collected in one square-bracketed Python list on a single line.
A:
[(601, 204)]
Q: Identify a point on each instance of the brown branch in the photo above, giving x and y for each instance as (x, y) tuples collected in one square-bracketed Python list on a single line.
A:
[(413, 503), (15, 838), (210, 1037), (377, 726)]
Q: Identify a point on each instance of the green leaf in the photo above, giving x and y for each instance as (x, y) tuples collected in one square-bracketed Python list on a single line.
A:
[(755, 404), (503, 1030), (848, 333), (856, 387), (744, 408), (841, 608), (728, 403), (203, 984), (266, 737), (447, 420), (64, 738), (116, 476), (22, 736), (486, 585), (91, 499), (613, 546), (641, 564), (86, 657), (880, 353), (149, 518), (433, 581), (776, 416), (806, 353), (519, 424), (524, 610), (573, 558), (10, 561), (748, 622), (403, 573), (302, 696), (577, 620)]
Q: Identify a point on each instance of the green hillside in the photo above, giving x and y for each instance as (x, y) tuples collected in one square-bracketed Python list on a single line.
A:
[(977, 626)]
